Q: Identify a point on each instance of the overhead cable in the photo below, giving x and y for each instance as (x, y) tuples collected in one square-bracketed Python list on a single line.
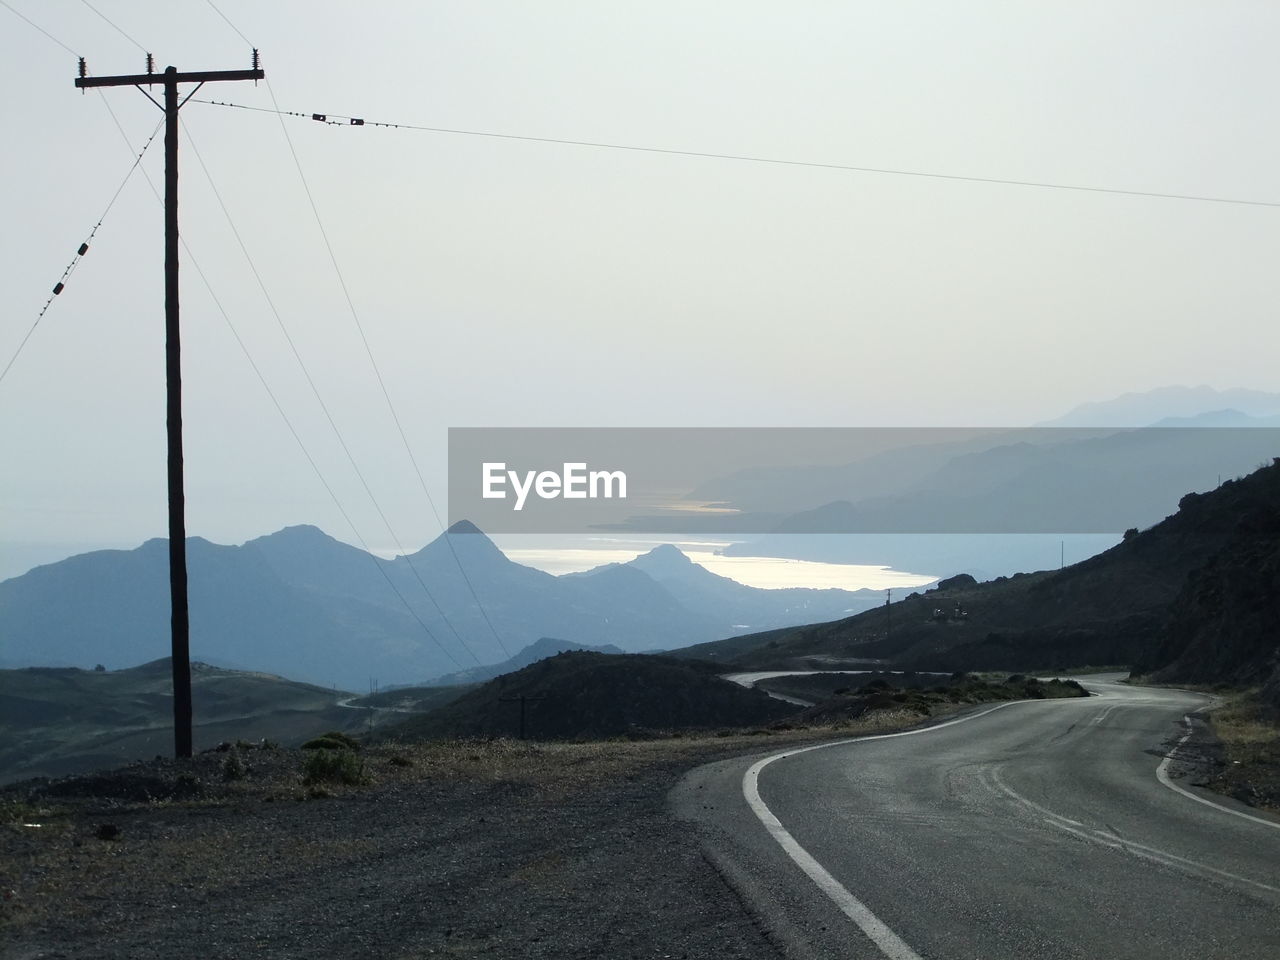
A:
[(341, 120), (80, 251)]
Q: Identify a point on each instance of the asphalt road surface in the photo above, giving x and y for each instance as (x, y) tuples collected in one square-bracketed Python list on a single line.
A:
[(1043, 829)]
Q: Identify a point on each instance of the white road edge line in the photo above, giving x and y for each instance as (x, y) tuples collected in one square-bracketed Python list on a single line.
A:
[(1162, 774), (890, 944), (1116, 842)]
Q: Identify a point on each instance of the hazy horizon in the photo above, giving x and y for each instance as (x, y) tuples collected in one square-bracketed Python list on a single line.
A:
[(506, 282)]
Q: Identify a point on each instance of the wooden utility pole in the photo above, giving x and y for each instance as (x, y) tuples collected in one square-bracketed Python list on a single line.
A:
[(180, 621)]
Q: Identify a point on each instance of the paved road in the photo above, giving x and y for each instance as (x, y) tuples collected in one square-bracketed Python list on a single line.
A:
[(1033, 830)]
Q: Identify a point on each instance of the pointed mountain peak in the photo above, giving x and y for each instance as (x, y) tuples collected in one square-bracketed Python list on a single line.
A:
[(463, 538), (666, 560), (667, 553)]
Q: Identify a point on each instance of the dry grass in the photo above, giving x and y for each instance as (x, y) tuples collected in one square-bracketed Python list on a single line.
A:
[(1242, 722), (561, 768), (1250, 736)]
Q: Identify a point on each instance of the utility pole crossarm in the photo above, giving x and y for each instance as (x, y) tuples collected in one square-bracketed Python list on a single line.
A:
[(202, 76)]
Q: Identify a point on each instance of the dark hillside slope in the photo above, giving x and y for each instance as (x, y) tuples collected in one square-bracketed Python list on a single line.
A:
[(540, 649), (598, 695), (1114, 608), (61, 720), (1224, 625)]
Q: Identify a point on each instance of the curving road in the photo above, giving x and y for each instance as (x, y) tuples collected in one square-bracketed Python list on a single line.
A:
[(1042, 829)]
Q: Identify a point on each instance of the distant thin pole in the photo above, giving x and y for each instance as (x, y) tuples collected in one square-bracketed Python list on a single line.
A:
[(523, 701)]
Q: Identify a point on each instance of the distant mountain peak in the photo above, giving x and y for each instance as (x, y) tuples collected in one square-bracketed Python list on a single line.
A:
[(297, 540), (1148, 407), (301, 531), (668, 553), (468, 540), (664, 560)]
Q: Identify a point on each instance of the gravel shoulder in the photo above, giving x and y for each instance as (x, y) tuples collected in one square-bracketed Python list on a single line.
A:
[(498, 849)]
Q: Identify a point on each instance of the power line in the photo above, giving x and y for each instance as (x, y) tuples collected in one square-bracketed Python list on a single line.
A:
[(37, 26), (333, 119), (284, 416), (382, 384), (81, 251), (113, 26), (311, 460), (248, 357), (324, 407), (228, 22), (320, 400), (386, 394), (484, 613)]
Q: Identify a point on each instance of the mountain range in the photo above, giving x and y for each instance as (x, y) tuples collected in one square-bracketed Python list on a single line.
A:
[(304, 605), (1145, 408)]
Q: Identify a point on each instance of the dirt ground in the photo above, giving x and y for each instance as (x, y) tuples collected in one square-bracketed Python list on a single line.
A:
[(494, 849)]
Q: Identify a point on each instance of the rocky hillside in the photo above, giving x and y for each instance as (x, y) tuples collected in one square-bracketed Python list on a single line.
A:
[(1191, 597), (1224, 625)]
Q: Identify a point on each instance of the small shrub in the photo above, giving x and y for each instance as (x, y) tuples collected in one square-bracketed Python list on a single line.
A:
[(333, 766), (333, 740), (233, 766), (20, 811), (187, 785)]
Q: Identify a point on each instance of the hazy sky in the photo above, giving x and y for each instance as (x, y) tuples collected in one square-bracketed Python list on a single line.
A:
[(512, 283)]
